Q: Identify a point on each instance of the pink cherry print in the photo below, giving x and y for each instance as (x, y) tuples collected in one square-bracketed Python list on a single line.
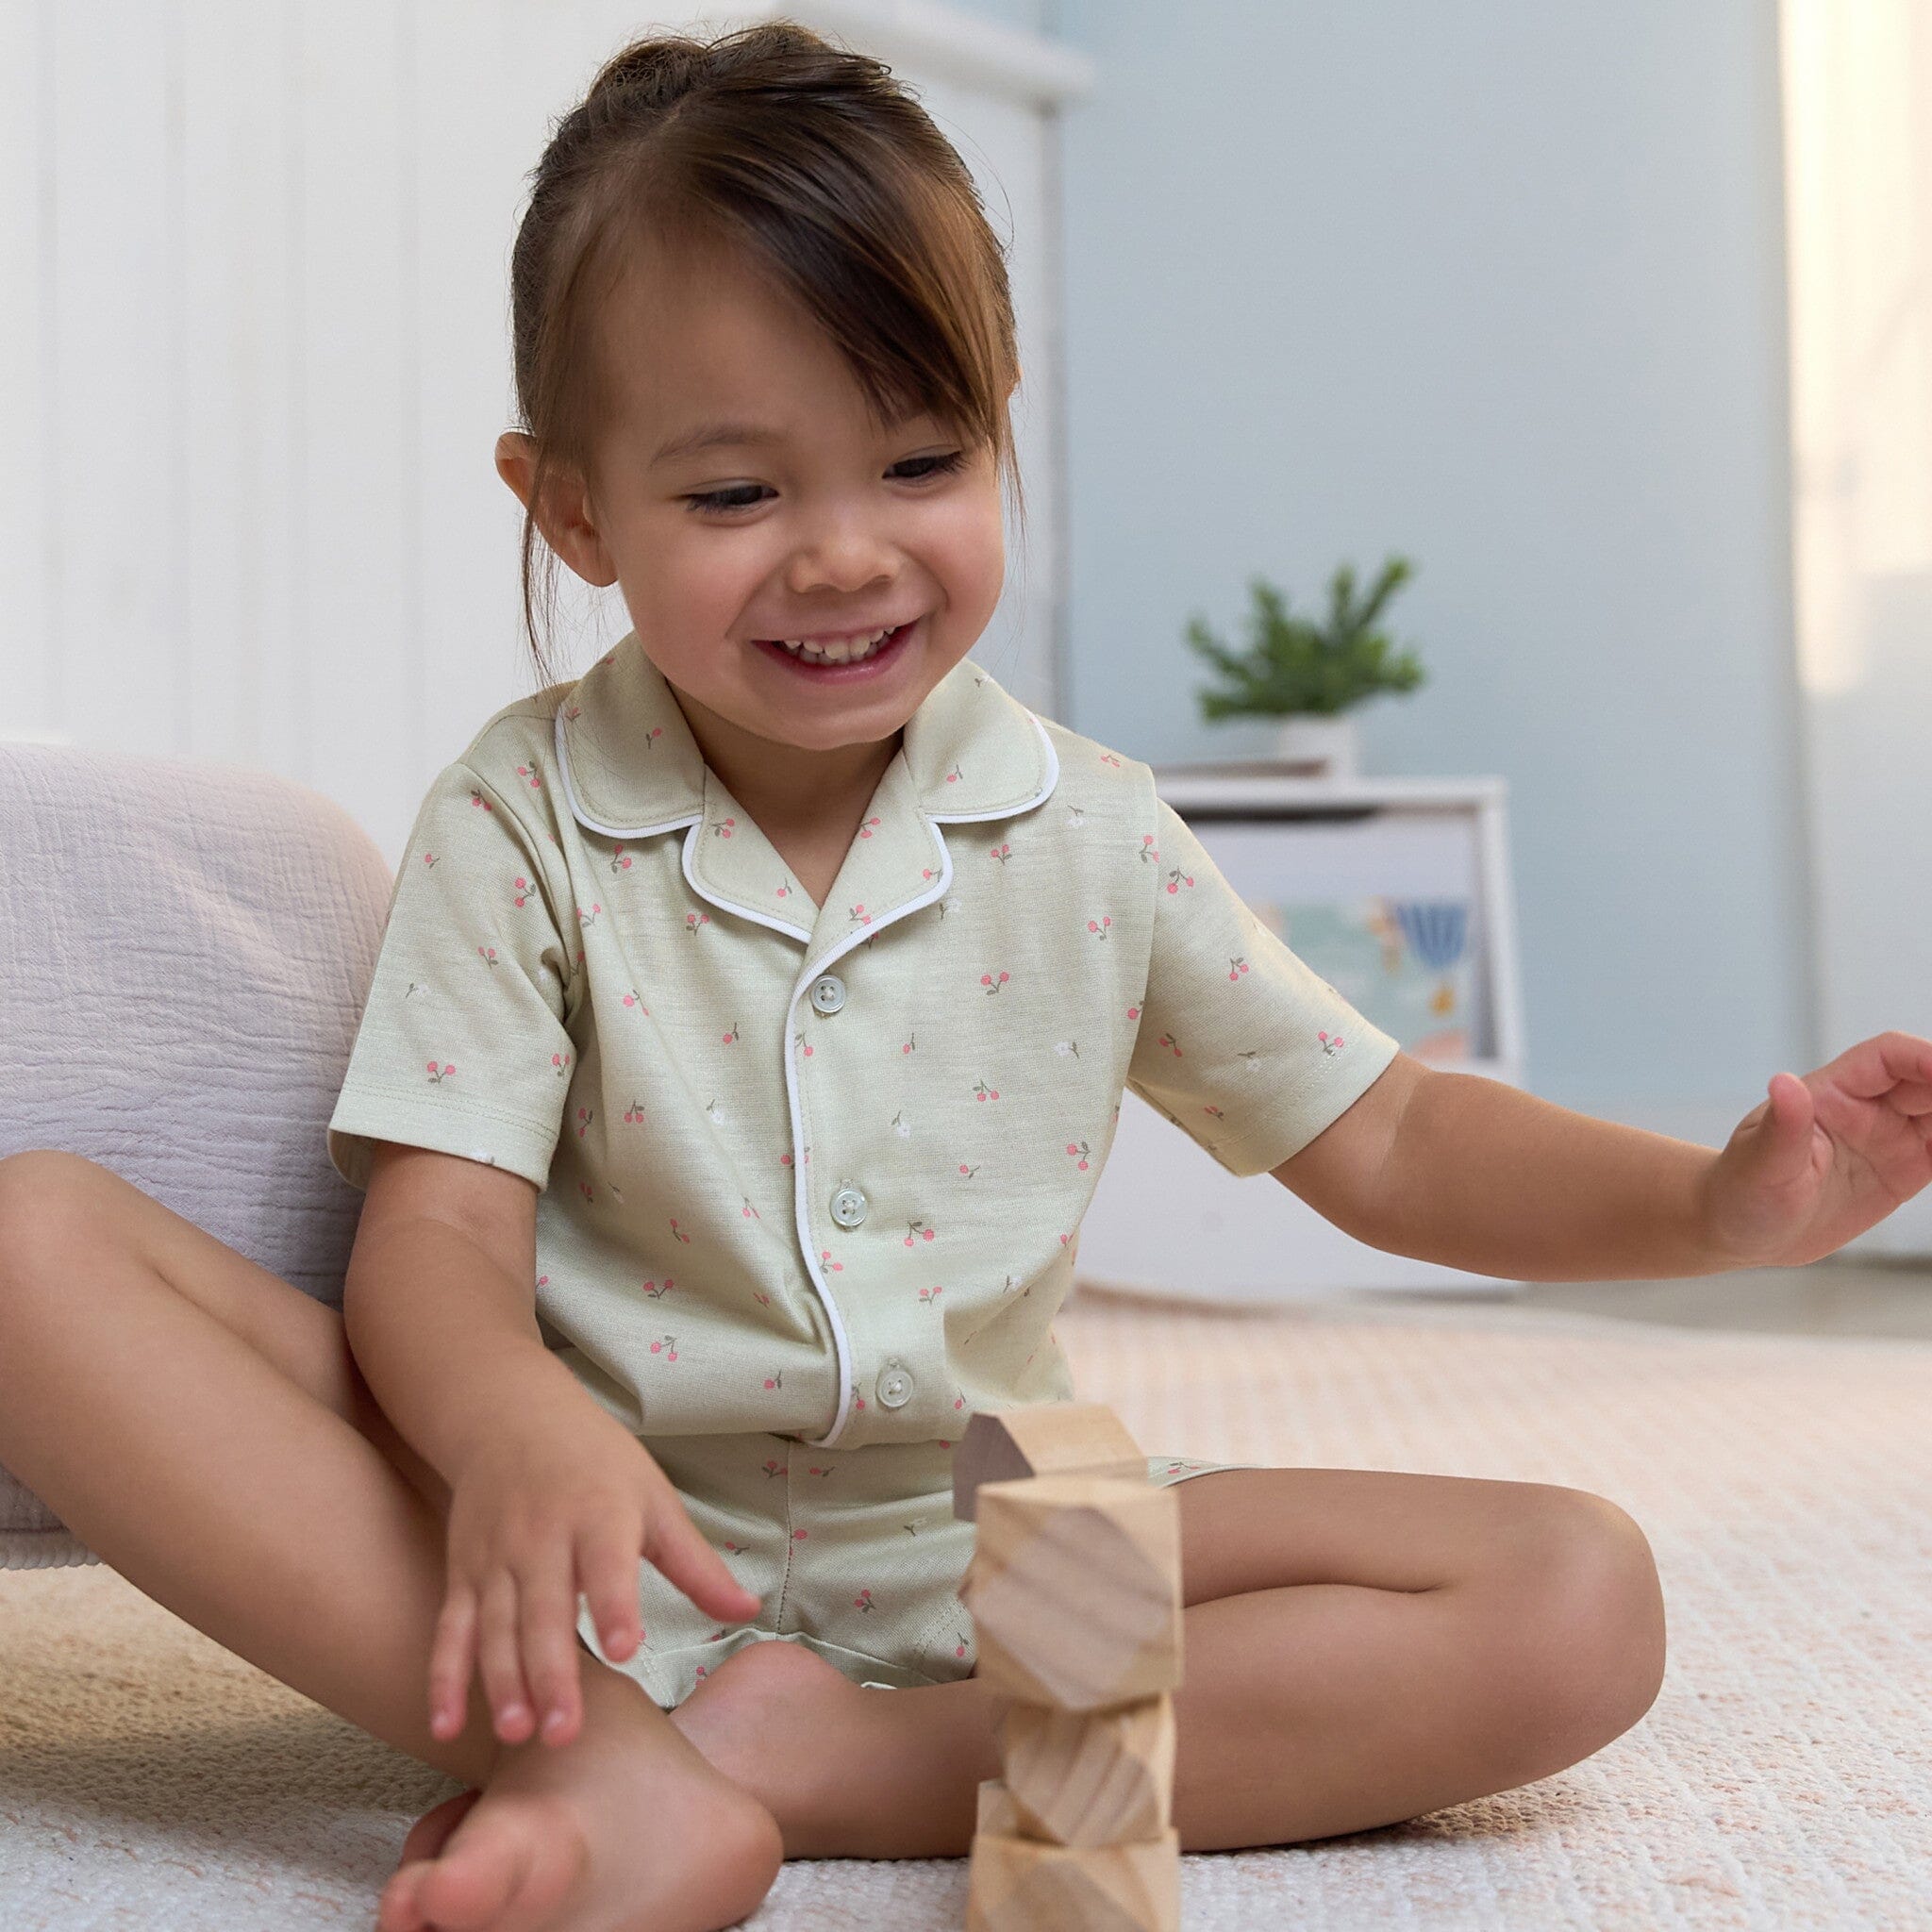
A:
[(1107, 757), (925, 872), (730, 1036), (958, 1402), (865, 830), (863, 1600), (725, 830), (826, 1256), (656, 1346), (440, 1077), (429, 859), (524, 772), (798, 1536), (858, 1401), (953, 775), (655, 731), (784, 1160), (523, 889), (910, 1044), (477, 798), (584, 1189), (1133, 1012), (679, 1231), (783, 892), (560, 1060)]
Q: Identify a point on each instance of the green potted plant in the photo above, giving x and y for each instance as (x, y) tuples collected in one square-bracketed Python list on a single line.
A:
[(1308, 674)]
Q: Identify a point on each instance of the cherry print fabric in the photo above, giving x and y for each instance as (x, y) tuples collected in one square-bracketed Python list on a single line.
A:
[(1240, 1044), (776, 1225)]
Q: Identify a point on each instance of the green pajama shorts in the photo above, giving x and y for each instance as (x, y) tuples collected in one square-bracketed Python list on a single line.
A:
[(857, 1555)]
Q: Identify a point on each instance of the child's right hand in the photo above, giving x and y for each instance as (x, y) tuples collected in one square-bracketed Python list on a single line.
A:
[(555, 1504)]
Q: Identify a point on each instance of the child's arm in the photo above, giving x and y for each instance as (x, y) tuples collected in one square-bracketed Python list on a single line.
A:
[(1471, 1173), (440, 1306)]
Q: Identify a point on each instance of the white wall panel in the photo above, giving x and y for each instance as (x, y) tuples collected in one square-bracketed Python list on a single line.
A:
[(257, 340)]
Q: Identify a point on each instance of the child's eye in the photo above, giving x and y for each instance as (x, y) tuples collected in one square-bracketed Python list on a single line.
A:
[(941, 465), (744, 496)]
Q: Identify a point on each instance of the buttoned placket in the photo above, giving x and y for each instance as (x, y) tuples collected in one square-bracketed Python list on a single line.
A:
[(894, 1383)]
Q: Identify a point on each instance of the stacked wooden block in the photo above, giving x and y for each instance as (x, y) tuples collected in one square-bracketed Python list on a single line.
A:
[(1075, 1590)]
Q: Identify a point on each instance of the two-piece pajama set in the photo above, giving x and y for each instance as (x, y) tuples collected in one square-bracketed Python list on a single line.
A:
[(811, 1178)]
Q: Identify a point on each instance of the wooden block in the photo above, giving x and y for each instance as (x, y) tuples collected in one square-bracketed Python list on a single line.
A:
[(1074, 1589), (1015, 1885), (1089, 1777), (997, 1811), (1047, 1438)]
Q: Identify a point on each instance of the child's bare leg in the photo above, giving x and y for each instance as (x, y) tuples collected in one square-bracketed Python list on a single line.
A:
[(201, 1424), (1309, 1708)]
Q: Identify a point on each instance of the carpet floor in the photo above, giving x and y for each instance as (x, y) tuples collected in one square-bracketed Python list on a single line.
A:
[(150, 1779)]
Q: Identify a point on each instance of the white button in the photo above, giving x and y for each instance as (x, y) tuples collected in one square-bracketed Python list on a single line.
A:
[(848, 1207), (895, 1383), (828, 992)]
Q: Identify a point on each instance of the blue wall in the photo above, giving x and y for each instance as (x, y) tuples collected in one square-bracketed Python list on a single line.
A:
[(1500, 286)]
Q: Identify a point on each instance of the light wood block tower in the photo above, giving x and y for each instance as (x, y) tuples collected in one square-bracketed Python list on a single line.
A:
[(1075, 1590)]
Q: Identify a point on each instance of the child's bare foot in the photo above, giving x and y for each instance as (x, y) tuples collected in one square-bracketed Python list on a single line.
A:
[(627, 1828)]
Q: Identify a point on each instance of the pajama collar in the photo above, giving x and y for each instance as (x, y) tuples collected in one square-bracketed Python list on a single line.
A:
[(631, 770)]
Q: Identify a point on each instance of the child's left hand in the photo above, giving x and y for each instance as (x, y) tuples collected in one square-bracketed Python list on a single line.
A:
[(1825, 1158)]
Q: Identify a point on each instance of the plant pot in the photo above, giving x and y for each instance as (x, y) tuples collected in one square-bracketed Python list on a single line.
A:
[(1319, 746)]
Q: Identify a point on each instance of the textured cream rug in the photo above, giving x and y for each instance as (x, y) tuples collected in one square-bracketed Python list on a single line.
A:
[(149, 1779)]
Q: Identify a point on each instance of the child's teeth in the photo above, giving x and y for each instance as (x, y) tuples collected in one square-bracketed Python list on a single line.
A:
[(837, 652)]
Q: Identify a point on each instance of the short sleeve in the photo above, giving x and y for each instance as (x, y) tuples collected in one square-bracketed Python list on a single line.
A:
[(1243, 1045), (463, 1045)]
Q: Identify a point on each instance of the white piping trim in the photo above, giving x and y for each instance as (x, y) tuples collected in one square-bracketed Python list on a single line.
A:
[(584, 818), (777, 924), (839, 1340), (1007, 811)]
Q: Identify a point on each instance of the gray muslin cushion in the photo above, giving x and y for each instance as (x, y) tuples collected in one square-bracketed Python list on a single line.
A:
[(185, 947)]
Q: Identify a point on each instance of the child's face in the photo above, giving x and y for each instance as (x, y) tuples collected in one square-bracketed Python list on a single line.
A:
[(830, 525)]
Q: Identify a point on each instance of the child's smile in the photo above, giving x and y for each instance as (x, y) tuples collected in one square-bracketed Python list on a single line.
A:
[(844, 659)]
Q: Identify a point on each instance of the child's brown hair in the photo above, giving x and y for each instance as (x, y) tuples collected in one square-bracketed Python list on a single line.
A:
[(818, 165)]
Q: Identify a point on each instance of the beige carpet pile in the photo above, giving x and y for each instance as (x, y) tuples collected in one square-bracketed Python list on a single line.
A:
[(149, 1779)]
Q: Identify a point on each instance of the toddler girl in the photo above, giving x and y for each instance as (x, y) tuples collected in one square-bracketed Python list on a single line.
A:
[(748, 1034)]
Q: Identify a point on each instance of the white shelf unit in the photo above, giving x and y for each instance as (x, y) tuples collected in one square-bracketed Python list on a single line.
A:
[(1166, 1217)]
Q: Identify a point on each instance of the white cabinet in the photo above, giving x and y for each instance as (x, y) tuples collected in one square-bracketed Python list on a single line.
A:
[(1397, 892)]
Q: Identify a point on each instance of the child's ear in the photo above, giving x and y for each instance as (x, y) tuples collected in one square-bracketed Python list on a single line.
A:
[(564, 516)]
